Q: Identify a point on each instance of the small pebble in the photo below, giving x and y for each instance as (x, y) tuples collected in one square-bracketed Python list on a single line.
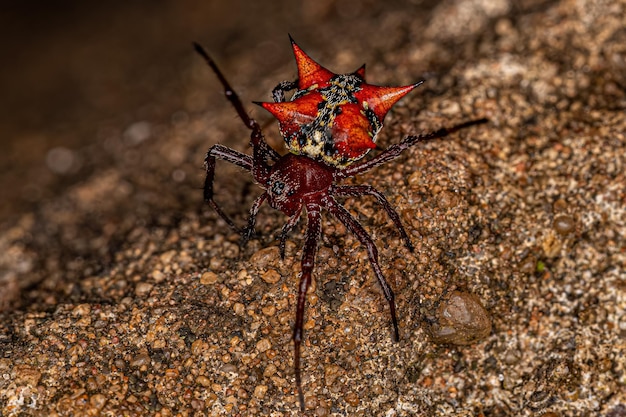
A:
[(263, 345), (167, 257), (229, 368), (269, 310), (140, 360), (27, 375), (331, 373), (142, 289), (269, 370), (263, 258), (260, 391), (528, 265), (81, 310), (203, 380), (239, 309), (159, 344), (209, 278), (97, 401), (271, 276), (158, 276), (349, 344), (447, 199), (461, 320), (199, 346), (352, 398), (559, 205), (321, 411), (563, 224)]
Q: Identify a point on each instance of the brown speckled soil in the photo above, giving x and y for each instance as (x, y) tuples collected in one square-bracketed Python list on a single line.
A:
[(123, 295)]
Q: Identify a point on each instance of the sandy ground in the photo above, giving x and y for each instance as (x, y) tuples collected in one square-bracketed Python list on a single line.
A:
[(122, 294)]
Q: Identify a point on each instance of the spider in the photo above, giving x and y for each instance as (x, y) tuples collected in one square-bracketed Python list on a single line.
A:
[(330, 122)]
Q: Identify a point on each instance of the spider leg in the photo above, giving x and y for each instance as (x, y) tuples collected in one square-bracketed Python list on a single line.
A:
[(314, 230), (395, 150), (358, 190), (246, 233), (261, 150), (278, 93), (355, 227), (291, 223), (228, 155)]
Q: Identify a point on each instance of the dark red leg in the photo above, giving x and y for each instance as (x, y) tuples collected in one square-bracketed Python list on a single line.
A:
[(355, 227), (359, 190), (228, 155), (261, 150), (291, 223), (313, 232), (249, 230), (394, 151)]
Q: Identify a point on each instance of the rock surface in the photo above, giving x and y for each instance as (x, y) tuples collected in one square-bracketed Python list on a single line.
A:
[(122, 294)]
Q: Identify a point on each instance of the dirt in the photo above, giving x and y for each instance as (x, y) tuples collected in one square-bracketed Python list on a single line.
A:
[(123, 294)]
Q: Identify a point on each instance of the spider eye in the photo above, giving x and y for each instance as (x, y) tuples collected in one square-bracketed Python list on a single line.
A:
[(278, 187)]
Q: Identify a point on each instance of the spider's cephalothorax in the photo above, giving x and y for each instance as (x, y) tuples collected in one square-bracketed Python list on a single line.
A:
[(345, 114), (332, 117)]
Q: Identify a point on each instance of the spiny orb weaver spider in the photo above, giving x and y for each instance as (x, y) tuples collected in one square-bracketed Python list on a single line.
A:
[(330, 122)]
